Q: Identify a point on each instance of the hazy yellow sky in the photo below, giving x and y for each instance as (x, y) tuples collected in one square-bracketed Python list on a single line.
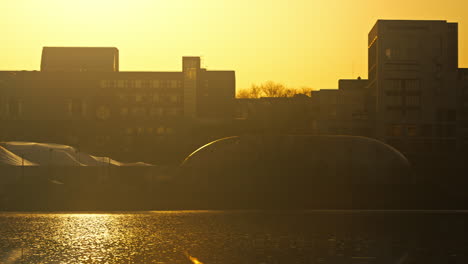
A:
[(297, 42)]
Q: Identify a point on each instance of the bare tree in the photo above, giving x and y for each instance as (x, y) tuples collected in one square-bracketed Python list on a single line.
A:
[(305, 90), (271, 89), (255, 91), (244, 93)]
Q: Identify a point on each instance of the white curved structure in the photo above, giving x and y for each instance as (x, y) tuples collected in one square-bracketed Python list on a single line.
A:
[(45, 154)]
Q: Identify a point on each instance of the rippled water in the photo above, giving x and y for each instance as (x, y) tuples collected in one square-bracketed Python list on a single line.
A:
[(235, 237)]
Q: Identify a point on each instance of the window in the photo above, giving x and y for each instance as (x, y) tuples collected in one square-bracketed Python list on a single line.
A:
[(156, 98), (191, 74), (173, 112), (412, 130), (139, 111), (138, 84), (396, 131), (393, 53), (138, 98), (173, 84), (107, 83), (395, 101), (412, 85), (174, 98), (122, 96), (145, 84), (393, 87), (156, 111), (388, 53), (160, 130), (413, 100), (156, 84)]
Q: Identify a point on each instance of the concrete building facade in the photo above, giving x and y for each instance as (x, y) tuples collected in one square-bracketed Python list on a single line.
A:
[(81, 98), (413, 69)]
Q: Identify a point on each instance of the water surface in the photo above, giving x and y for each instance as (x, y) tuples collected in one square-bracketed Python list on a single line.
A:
[(235, 237)]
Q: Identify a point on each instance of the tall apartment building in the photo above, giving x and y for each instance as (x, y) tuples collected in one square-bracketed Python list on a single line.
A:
[(413, 68)]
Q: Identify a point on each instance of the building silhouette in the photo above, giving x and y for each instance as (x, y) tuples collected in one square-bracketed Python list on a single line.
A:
[(413, 68), (463, 110), (415, 99), (81, 98), (79, 59)]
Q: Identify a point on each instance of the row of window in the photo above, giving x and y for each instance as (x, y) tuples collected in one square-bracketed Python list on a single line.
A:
[(423, 145), (141, 84), (76, 108), (397, 101), (402, 130), (398, 113), (161, 130), (152, 112), (401, 67), (154, 98), (402, 86), (426, 130), (104, 112)]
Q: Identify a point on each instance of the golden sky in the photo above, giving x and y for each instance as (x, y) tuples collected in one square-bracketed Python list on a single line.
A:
[(297, 42)]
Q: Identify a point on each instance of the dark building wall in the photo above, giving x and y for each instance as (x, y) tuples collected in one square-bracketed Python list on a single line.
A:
[(216, 94), (191, 71), (80, 59), (463, 109), (353, 108), (278, 115)]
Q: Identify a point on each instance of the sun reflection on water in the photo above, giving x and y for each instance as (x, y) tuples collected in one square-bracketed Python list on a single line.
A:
[(87, 236), (194, 260), (228, 238)]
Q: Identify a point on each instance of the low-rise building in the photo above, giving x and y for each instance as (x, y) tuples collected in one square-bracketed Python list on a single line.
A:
[(81, 98)]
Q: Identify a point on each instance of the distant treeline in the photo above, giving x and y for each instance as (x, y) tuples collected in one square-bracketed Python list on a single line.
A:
[(271, 89)]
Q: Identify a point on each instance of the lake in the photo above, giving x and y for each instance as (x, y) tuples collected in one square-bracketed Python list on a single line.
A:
[(235, 237)]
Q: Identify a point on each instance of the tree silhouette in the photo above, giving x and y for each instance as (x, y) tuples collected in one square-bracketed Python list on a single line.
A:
[(271, 89)]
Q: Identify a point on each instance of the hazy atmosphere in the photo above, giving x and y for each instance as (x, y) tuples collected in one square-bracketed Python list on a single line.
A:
[(234, 132), (299, 43)]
